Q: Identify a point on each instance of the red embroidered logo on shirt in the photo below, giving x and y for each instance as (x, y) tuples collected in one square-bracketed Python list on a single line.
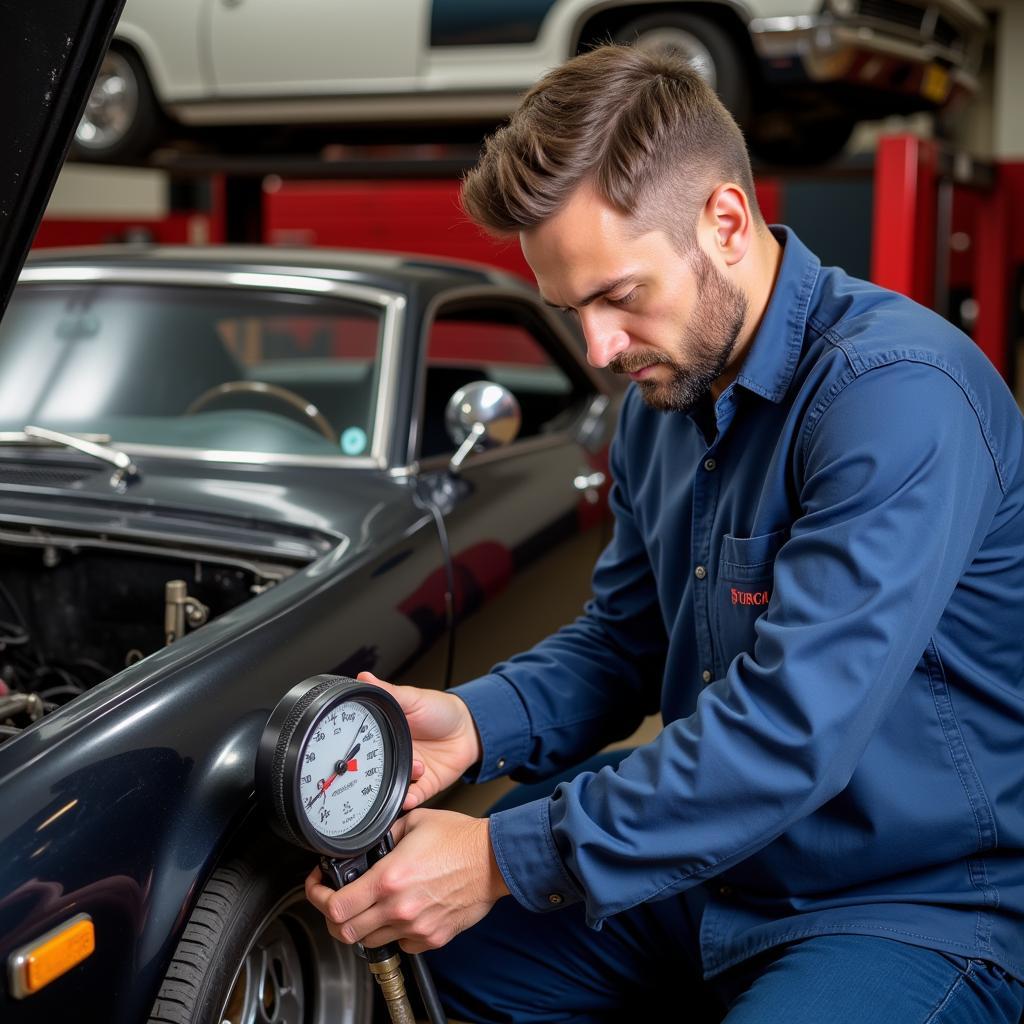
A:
[(758, 597)]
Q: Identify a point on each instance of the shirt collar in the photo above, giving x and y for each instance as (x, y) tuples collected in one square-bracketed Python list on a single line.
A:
[(775, 351)]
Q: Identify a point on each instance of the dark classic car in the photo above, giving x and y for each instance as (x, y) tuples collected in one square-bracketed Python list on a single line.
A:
[(224, 471)]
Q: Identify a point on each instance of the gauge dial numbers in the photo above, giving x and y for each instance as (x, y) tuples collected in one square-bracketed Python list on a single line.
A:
[(342, 769)]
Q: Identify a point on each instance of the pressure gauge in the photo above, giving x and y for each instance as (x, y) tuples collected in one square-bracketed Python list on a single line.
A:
[(333, 765)]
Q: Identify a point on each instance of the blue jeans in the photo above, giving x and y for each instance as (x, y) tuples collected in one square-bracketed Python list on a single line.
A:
[(517, 966)]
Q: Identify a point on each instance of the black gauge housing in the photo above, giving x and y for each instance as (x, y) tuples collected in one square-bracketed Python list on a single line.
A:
[(280, 754)]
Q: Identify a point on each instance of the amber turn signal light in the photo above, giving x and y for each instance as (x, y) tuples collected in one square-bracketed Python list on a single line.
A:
[(46, 958)]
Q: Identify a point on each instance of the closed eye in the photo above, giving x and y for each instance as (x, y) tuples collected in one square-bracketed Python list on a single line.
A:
[(626, 299)]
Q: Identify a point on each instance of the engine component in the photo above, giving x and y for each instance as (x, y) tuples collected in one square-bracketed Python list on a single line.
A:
[(180, 609)]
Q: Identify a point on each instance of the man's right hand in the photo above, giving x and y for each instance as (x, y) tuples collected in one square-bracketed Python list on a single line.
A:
[(445, 742)]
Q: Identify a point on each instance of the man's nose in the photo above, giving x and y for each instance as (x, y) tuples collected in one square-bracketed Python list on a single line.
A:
[(605, 338)]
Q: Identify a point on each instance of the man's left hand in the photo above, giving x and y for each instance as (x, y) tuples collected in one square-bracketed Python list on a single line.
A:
[(440, 879)]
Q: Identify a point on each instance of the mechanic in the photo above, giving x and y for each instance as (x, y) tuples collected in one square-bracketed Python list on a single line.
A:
[(816, 576)]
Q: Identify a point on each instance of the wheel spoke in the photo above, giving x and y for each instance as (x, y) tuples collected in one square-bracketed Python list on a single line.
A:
[(294, 972), (280, 991), (111, 106)]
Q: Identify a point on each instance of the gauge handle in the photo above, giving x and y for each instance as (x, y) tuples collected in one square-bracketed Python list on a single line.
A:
[(336, 873), (384, 962)]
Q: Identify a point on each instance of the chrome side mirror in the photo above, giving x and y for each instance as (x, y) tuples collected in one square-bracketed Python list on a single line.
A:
[(480, 415)]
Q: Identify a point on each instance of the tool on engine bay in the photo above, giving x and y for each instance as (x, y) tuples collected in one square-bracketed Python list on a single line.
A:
[(332, 771)]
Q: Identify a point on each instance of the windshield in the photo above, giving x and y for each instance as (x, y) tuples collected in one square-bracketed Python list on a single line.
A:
[(228, 369)]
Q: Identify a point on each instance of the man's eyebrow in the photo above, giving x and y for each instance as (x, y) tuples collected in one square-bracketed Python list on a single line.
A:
[(604, 289)]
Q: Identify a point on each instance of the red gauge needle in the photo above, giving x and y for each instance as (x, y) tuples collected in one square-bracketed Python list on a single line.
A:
[(343, 767), (324, 784)]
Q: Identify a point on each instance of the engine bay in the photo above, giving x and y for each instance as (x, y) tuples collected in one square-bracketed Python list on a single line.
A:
[(76, 611)]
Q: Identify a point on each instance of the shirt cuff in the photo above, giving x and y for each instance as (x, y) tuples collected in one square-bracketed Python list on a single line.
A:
[(528, 858), (502, 723)]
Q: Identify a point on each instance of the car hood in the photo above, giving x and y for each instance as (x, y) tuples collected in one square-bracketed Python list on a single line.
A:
[(291, 513), (49, 57)]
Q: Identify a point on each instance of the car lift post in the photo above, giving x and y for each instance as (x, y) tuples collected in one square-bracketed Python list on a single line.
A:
[(917, 184)]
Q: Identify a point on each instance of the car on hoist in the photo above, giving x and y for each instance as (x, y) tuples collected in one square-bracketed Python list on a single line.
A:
[(224, 471), (797, 74)]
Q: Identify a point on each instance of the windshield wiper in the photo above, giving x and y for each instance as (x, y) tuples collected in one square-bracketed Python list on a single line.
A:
[(124, 469)]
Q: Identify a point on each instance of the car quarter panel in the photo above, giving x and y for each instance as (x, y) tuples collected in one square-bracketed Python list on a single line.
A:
[(169, 38), (548, 33), (264, 47)]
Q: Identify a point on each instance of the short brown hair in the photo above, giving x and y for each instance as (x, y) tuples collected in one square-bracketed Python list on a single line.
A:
[(645, 129)]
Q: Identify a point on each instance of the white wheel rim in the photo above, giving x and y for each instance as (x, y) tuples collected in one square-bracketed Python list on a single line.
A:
[(112, 106), (683, 44)]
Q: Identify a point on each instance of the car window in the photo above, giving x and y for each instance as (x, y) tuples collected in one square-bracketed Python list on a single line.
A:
[(230, 369), (509, 345)]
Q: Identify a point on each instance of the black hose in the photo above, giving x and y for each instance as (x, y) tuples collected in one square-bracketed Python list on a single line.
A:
[(101, 670), (449, 597), (12, 635), (57, 694), (425, 983), (14, 608)]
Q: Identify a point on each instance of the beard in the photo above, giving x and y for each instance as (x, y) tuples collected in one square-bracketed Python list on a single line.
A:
[(708, 341)]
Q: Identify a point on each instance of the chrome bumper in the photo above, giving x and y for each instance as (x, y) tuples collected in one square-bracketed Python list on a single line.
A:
[(865, 52)]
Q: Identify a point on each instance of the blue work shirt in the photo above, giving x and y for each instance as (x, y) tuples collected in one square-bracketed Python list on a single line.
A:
[(819, 581)]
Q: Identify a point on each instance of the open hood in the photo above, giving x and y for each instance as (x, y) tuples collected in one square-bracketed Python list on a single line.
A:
[(50, 54)]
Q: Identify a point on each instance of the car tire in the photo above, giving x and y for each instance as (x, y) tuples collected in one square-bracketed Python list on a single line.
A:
[(254, 949), (799, 142), (122, 119), (703, 42)]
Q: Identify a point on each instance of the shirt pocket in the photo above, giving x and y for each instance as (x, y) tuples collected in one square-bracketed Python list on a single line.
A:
[(744, 587)]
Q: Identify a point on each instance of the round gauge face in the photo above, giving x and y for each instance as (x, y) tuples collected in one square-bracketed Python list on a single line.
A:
[(342, 769)]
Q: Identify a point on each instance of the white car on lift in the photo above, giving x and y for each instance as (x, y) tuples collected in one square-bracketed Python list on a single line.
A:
[(798, 74)]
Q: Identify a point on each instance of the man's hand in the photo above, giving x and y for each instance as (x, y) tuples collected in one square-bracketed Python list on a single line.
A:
[(440, 879), (444, 739)]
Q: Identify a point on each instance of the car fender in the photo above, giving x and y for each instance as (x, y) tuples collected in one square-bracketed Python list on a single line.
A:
[(571, 19), (130, 803)]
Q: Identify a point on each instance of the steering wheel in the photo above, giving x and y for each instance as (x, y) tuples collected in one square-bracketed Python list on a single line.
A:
[(294, 401)]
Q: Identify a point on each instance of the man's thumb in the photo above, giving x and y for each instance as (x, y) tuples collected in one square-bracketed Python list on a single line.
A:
[(369, 677)]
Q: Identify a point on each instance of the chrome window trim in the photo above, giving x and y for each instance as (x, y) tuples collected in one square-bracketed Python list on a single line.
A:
[(298, 280), (562, 335), (526, 298)]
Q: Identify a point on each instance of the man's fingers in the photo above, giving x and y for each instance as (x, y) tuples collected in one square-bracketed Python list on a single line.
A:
[(407, 696), (370, 929), (399, 828), (340, 905), (316, 892), (418, 768)]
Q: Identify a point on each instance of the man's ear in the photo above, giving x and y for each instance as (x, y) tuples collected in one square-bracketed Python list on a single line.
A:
[(730, 225)]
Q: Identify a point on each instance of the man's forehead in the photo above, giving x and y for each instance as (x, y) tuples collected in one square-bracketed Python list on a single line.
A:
[(576, 273)]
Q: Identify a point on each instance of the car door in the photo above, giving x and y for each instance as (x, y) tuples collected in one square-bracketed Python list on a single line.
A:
[(526, 521), (311, 48)]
